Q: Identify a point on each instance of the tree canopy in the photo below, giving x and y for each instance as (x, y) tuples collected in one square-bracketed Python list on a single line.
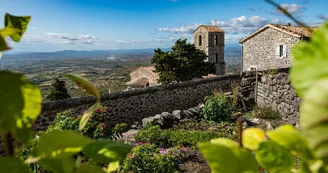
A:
[(183, 62), (58, 91)]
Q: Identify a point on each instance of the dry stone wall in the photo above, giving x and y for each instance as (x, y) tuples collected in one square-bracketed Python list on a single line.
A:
[(276, 91), (132, 106)]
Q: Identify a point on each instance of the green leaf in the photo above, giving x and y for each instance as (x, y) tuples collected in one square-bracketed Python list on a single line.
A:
[(310, 61), (89, 169), (63, 165), (291, 139), (107, 151), (85, 84), (17, 25), (20, 105), (13, 165), (225, 156), (113, 166), (274, 157), (87, 115), (59, 144), (314, 118), (253, 137), (3, 45)]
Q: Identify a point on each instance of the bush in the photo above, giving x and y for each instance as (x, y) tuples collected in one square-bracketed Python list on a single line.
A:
[(217, 108), (96, 127), (267, 112), (168, 138), (58, 92), (148, 158)]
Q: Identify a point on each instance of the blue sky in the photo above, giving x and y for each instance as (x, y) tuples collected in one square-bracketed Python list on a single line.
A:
[(133, 24)]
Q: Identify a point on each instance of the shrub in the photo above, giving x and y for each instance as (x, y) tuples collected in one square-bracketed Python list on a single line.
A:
[(217, 108), (58, 91), (267, 112), (96, 127), (168, 137), (149, 158)]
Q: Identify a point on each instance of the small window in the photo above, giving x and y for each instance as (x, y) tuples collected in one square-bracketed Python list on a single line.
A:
[(216, 58), (215, 40), (200, 40), (281, 51)]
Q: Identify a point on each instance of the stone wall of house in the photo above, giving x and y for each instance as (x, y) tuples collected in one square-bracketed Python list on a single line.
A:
[(132, 106), (260, 50), (275, 90)]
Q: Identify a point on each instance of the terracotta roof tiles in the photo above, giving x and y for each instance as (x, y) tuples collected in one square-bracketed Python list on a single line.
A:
[(210, 28), (289, 29)]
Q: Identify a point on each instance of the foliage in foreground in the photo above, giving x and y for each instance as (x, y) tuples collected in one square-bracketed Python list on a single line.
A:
[(217, 108), (21, 105), (275, 150), (184, 62)]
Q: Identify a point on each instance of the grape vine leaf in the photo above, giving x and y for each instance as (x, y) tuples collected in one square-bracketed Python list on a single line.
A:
[(225, 156), (20, 105), (60, 144)]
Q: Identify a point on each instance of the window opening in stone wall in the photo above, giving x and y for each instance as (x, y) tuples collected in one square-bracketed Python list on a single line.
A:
[(281, 50), (215, 40), (216, 58), (200, 40)]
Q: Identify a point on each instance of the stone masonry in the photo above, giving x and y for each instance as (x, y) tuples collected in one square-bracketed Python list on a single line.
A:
[(260, 51), (212, 43), (132, 106), (276, 91)]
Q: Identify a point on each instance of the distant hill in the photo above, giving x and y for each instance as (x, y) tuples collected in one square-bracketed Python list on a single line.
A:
[(66, 54), (231, 54)]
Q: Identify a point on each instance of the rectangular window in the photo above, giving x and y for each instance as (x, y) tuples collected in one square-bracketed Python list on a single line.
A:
[(281, 50)]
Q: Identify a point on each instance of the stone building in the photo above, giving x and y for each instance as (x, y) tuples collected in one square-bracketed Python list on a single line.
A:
[(210, 39), (270, 46), (143, 77)]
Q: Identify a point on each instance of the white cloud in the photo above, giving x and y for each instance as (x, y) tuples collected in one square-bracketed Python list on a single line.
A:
[(294, 9), (243, 25), (186, 29), (73, 39), (239, 25), (235, 28), (133, 42)]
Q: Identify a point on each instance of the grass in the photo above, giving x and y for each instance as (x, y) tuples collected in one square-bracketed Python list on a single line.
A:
[(267, 113)]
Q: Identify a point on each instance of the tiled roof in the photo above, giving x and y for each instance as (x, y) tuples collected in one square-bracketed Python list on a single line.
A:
[(211, 28), (289, 29)]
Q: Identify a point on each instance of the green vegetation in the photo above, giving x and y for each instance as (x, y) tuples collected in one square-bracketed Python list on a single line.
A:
[(59, 91), (148, 158), (276, 150), (169, 137), (20, 107), (217, 108), (183, 63), (266, 112)]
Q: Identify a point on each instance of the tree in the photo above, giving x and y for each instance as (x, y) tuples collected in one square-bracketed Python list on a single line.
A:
[(58, 91), (182, 63)]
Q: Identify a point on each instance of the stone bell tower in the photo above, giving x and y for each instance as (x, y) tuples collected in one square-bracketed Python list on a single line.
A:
[(210, 39)]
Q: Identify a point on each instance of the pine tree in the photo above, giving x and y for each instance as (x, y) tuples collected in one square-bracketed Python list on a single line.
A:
[(58, 91), (184, 62)]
